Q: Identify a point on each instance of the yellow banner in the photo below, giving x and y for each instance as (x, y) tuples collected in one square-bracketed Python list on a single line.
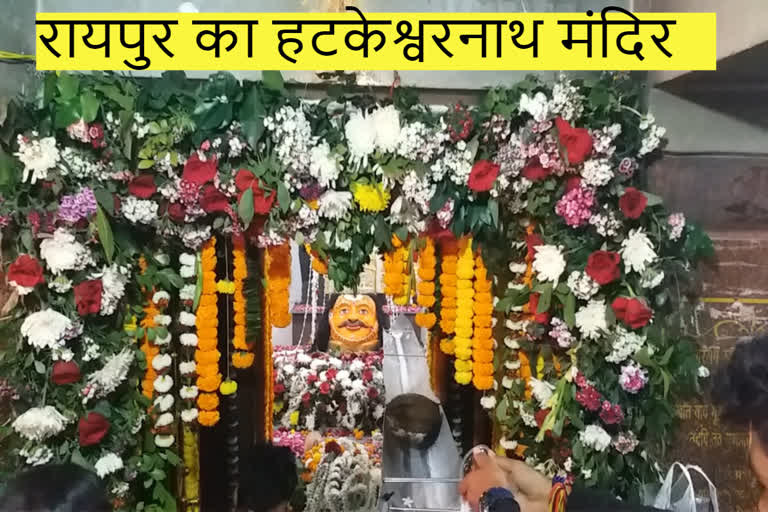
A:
[(613, 39)]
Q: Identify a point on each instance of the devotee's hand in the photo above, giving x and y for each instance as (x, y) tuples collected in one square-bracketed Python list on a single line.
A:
[(485, 475), (531, 489)]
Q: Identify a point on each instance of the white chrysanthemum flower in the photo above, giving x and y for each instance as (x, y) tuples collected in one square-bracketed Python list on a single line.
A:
[(45, 329), (595, 437), (542, 391), (188, 392), (187, 272), (537, 106), (189, 339), (637, 251), (164, 441), (387, 121), (511, 343), (323, 165), (164, 420), (109, 463), (549, 263), (187, 292), (582, 286), (187, 367), (334, 205), (163, 340), (39, 423), (62, 252), (189, 415), (163, 383), (161, 361), (512, 364), (161, 295), (164, 403), (187, 259), (112, 374), (187, 319), (162, 320), (488, 402), (113, 282), (38, 156), (360, 132), (590, 319)]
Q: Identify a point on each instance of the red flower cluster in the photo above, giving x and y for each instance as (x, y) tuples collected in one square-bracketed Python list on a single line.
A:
[(576, 142), (603, 267), (483, 175), (632, 203), (65, 372), (88, 297), (632, 311), (262, 201), (143, 186), (534, 171), (26, 271), (92, 429), (533, 305), (460, 123), (611, 414), (589, 398)]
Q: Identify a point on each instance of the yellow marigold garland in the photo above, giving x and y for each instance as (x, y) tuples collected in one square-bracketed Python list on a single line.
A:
[(482, 342), (465, 272), (149, 349), (396, 275), (426, 287), (191, 470), (278, 272), (207, 355), (242, 357), (448, 291), (318, 265)]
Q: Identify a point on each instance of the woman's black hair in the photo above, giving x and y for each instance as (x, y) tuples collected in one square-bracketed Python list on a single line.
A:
[(269, 477), (55, 488), (324, 329), (741, 387)]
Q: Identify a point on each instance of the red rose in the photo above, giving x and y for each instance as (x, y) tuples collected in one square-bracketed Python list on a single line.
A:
[(177, 213), (65, 372), (331, 373), (88, 297), (633, 312), (92, 429), (312, 378), (534, 171), (198, 172), (325, 387), (143, 186), (577, 142), (483, 175), (262, 202), (373, 393), (572, 183), (279, 388), (306, 397), (25, 271), (603, 267), (633, 203), (533, 306), (367, 376), (213, 200), (532, 241)]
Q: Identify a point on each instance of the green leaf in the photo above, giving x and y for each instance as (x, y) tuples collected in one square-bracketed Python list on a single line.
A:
[(105, 234), (569, 311), (105, 200), (545, 299), (283, 197), (493, 207), (245, 207), (40, 368), (8, 169), (644, 358), (273, 80), (146, 164), (653, 199), (252, 113), (199, 283), (667, 381), (89, 105), (66, 114), (68, 86), (27, 240)]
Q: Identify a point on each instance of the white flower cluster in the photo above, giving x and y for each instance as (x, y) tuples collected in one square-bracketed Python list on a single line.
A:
[(92, 350), (537, 106), (79, 164), (46, 329), (420, 143), (387, 121), (549, 263), (236, 147), (602, 140), (456, 164), (653, 134), (637, 251), (582, 286), (525, 414), (113, 280), (62, 252), (566, 102), (606, 223), (334, 205), (676, 222), (193, 237), (561, 334), (108, 463), (542, 391), (107, 379), (38, 156), (39, 423), (595, 437), (625, 344), (37, 456), (324, 165), (139, 211), (591, 321), (597, 172), (418, 190), (292, 134)]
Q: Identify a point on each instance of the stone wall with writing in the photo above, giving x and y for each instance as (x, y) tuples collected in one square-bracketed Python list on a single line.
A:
[(727, 196)]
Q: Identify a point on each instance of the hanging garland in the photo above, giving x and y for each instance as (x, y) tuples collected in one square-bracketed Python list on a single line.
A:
[(242, 357), (396, 272), (465, 272), (482, 342), (207, 354), (448, 281), (278, 261), (164, 404), (426, 287)]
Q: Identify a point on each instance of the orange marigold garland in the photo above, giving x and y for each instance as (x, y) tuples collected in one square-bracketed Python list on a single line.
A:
[(207, 355), (465, 272), (278, 272), (242, 357), (482, 342), (426, 286), (448, 263), (396, 275)]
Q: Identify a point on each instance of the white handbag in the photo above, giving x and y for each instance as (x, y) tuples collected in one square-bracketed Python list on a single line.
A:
[(678, 493)]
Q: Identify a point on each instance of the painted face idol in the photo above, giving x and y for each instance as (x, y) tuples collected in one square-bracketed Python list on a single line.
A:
[(354, 325)]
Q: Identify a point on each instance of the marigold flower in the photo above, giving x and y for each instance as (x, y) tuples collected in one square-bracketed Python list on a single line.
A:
[(207, 356), (242, 359), (425, 320), (483, 286), (208, 401), (462, 366), (447, 347), (463, 378), (208, 370), (483, 356), (482, 383), (209, 384), (208, 418), (482, 368), (425, 301), (483, 321)]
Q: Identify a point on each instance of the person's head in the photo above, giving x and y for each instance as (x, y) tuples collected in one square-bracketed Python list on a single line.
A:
[(55, 488), (742, 392), (270, 478)]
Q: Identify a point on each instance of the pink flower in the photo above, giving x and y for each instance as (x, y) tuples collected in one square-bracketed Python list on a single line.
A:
[(633, 378), (611, 414), (325, 387), (589, 398), (575, 207)]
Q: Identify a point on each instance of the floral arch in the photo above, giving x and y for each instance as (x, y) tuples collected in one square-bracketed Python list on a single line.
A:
[(146, 225)]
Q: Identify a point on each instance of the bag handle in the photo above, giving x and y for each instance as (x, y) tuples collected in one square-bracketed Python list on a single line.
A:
[(712, 488), (664, 497)]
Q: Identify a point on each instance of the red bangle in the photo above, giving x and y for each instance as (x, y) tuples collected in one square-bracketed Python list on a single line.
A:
[(558, 495)]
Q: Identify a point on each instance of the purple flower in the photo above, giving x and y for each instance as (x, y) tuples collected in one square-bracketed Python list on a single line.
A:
[(79, 206)]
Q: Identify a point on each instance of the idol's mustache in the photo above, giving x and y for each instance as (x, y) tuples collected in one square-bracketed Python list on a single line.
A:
[(353, 323)]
